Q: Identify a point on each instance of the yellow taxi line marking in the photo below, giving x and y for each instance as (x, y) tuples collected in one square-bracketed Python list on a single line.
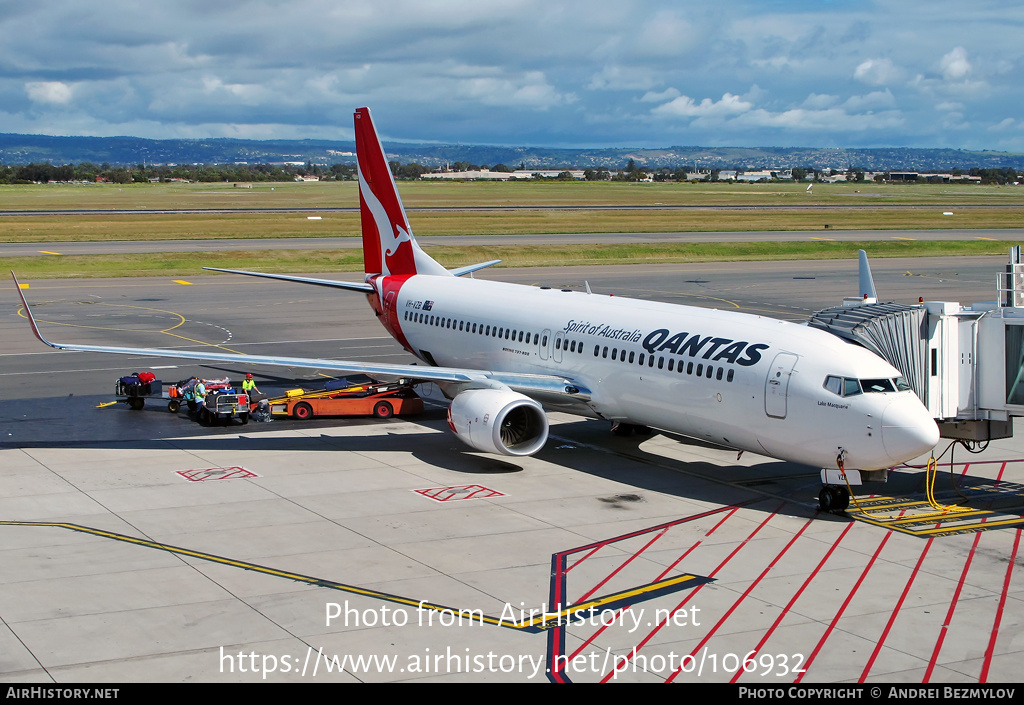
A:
[(896, 237), (537, 623), (987, 238), (830, 239), (182, 282), (47, 252)]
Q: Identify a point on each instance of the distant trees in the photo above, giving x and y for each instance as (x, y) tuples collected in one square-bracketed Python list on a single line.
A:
[(996, 176), (44, 172), (41, 173), (407, 171)]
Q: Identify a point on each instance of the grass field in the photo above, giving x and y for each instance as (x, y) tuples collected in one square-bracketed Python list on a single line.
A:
[(308, 261), (518, 208), (187, 226), (333, 194)]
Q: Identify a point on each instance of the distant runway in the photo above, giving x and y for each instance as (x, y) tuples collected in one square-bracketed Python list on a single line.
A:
[(355, 242)]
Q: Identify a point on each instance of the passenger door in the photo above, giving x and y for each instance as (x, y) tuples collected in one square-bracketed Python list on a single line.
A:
[(776, 386)]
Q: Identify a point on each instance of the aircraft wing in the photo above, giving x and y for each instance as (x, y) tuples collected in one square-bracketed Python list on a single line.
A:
[(548, 386)]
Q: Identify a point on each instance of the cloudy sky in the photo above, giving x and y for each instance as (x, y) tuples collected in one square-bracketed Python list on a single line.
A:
[(813, 73)]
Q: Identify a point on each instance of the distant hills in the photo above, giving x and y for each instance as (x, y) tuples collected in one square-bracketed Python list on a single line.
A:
[(128, 151)]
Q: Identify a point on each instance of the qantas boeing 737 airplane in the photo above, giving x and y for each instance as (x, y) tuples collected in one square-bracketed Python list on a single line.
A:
[(504, 352)]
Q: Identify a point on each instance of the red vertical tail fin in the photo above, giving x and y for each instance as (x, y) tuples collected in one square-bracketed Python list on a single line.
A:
[(389, 247)]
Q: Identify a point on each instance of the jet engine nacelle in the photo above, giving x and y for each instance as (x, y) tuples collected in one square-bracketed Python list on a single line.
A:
[(499, 421)]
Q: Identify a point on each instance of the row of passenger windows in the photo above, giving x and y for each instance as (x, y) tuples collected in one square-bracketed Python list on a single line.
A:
[(572, 346), (492, 331), (680, 366)]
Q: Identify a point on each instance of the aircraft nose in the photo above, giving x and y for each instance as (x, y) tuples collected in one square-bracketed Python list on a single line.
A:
[(908, 430)]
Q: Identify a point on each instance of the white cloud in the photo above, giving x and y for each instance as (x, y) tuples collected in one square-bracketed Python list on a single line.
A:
[(876, 72), (522, 71), (955, 64), (528, 90), (819, 102), (52, 92), (685, 106), (615, 77), (212, 85), (876, 100), (667, 94), (665, 34), (831, 120)]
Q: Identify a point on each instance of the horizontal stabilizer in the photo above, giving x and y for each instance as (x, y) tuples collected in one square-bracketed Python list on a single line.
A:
[(459, 271), (351, 286)]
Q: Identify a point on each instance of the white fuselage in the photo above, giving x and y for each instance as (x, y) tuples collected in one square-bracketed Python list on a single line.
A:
[(739, 380)]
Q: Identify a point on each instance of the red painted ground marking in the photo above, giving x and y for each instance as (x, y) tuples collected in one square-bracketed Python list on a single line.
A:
[(204, 474), (952, 608), (693, 592), (623, 565), (592, 551), (842, 608), (983, 678), (600, 630), (452, 494), (740, 599), (559, 573), (792, 600), (691, 548), (665, 572), (895, 612), (999, 477)]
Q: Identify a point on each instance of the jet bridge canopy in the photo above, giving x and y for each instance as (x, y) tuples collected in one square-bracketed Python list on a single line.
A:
[(966, 363), (895, 332)]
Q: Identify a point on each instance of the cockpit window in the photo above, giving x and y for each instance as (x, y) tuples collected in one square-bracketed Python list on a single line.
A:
[(848, 386), (834, 384), (878, 385)]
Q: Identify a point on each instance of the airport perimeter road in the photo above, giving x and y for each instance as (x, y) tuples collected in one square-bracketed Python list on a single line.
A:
[(140, 546), (43, 249)]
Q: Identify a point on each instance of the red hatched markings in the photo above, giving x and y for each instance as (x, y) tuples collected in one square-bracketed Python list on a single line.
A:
[(204, 474), (859, 588), (457, 492)]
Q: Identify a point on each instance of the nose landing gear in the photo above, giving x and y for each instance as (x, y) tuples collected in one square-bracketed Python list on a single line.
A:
[(833, 498), (835, 495)]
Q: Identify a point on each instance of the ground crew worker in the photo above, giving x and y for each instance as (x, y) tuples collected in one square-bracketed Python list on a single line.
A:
[(249, 385), (200, 394)]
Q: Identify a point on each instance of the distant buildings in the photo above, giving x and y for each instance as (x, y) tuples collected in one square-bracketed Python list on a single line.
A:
[(487, 174)]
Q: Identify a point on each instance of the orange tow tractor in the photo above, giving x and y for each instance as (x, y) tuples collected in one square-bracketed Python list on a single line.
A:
[(356, 395)]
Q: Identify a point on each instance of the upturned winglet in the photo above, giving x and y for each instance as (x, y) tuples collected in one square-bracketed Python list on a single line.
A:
[(28, 313)]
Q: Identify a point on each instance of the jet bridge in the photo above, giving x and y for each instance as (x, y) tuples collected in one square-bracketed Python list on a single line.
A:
[(966, 363)]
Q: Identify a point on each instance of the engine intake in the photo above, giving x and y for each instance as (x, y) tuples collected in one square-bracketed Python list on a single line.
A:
[(499, 421)]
